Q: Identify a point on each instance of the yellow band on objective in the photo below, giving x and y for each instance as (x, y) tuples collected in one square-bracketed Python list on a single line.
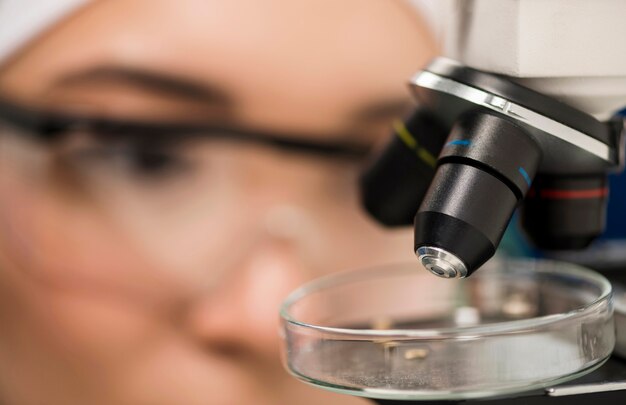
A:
[(406, 137), (427, 157), (404, 134)]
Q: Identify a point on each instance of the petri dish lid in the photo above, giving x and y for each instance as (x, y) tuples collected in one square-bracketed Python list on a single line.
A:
[(397, 332)]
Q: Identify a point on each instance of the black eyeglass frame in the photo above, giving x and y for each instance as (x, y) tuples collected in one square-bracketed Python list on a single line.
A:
[(47, 126)]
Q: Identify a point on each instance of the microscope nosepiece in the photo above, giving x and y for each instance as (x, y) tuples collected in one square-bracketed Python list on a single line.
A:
[(468, 158)]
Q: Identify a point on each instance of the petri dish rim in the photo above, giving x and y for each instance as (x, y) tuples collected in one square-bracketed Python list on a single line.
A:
[(467, 332), (446, 395)]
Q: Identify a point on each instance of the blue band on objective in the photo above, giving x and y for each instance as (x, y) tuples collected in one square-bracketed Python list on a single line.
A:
[(525, 175), (460, 142)]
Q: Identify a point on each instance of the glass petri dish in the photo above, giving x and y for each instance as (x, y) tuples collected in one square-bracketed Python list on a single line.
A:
[(398, 332), (619, 316)]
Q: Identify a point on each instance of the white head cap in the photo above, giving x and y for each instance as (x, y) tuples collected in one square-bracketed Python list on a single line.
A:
[(21, 21)]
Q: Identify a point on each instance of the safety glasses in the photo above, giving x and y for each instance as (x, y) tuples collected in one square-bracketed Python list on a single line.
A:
[(51, 126)]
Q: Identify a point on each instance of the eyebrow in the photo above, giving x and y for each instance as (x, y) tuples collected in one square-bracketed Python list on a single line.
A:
[(154, 81)]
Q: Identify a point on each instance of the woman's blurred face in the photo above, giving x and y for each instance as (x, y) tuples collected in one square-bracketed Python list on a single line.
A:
[(150, 271)]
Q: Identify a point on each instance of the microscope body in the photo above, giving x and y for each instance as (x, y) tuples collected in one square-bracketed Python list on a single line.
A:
[(521, 114), (570, 50)]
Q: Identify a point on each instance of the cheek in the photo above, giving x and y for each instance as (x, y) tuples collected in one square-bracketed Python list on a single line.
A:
[(58, 236), (61, 305), (77, 330), (63, 343), (59, 328), (49, 238), (48, 248)]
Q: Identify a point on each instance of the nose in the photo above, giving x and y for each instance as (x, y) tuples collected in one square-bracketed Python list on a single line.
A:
[(242, 314)]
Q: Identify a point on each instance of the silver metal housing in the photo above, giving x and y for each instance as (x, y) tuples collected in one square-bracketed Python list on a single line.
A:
[(452, 98), (441, 262)]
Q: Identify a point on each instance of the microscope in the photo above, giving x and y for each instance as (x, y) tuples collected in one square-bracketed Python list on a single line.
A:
[(520, 113)]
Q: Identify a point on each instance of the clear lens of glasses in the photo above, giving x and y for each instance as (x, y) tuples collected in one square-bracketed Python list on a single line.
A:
[(115, 215), (397, 332)]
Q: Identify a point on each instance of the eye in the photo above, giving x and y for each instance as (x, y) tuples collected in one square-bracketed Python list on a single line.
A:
[(151, 162), (137, 161)]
